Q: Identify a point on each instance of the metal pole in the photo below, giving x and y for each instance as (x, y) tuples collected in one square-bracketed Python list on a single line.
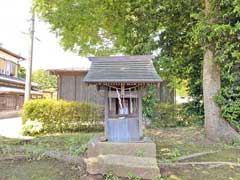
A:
[(27, 94)]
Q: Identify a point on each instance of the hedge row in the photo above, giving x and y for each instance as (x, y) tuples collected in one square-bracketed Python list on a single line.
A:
[(51, 116), (173, 115)]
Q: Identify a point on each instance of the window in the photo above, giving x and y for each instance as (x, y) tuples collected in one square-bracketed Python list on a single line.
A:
[(7, 67)]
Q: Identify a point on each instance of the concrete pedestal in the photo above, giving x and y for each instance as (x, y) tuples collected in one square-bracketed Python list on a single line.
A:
[(122, 159)]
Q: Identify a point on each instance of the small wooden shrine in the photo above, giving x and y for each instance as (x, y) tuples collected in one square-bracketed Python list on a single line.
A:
[(124, 80)]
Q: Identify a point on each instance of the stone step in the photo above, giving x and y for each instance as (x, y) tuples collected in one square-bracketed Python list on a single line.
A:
[(144, 148), (122, 166)]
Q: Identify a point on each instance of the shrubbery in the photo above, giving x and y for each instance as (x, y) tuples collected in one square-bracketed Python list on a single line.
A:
[(229, 101), (173, 115), (61, 116)]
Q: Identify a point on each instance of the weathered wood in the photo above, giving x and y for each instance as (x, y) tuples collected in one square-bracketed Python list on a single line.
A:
[(10, 102), (123, 130), (106, 112), (59, 86), (79, 90), (140, 118), (68, 88)]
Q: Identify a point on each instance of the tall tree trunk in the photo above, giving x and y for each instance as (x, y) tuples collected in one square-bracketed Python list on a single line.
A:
[(216, 127)]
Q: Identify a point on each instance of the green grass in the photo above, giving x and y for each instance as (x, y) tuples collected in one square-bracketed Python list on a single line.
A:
[(226, 155), (45, 169), (200, 173), (68, 143), (173, 143), (36, 167)]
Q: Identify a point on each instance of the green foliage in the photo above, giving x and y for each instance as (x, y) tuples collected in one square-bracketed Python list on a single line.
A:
[(140, 153), (131, 176), (32, 128), (194, 110), (132, 27), (22, 72), (229, 100), (79, 150), (222, 35), (167, 154), (182, 89), (102, 27), (149, 101), (110, 176), (44, 80), (173, 115), (61, 116)]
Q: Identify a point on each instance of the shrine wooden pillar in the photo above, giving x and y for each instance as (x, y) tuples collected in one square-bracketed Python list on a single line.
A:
[(106, 112), (140, 118)]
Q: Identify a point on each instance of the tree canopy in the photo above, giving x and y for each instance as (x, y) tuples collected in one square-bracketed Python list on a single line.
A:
[(44, 80), (22, 72), (177, 31)]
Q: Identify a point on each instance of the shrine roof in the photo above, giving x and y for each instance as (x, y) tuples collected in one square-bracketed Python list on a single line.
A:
[(122, 69)]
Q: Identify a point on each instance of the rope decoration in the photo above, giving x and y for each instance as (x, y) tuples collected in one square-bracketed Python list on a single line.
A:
[(121, 97)]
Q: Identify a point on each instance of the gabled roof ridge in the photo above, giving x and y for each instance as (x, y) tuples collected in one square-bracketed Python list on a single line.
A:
[(124, 58)]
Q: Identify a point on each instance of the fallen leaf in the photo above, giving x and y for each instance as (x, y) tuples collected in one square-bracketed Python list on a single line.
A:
[(165, 150), (174, 177)]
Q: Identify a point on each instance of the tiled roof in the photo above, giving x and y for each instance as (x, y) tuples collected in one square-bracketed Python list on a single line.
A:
[(134, 69)]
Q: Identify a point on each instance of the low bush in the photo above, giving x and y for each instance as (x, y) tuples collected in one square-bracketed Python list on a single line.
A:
[(173, 115), (32, 128), (61, 116)]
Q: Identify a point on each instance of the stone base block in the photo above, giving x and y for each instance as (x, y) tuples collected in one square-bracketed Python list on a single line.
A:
[(122, 166), (144, 148)]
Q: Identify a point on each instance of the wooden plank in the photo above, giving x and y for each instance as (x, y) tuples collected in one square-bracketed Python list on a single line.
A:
[(106, 112), (140, 113), (59, 87), (68, 88), (74, 88), (8, 102), (133, 128), (80, 89), (123, 130)]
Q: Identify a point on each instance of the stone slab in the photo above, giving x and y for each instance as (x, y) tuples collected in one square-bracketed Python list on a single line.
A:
[(121, 165), (143, 148)]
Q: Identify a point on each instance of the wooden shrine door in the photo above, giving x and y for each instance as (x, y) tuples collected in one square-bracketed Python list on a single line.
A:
[(123, 129)]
